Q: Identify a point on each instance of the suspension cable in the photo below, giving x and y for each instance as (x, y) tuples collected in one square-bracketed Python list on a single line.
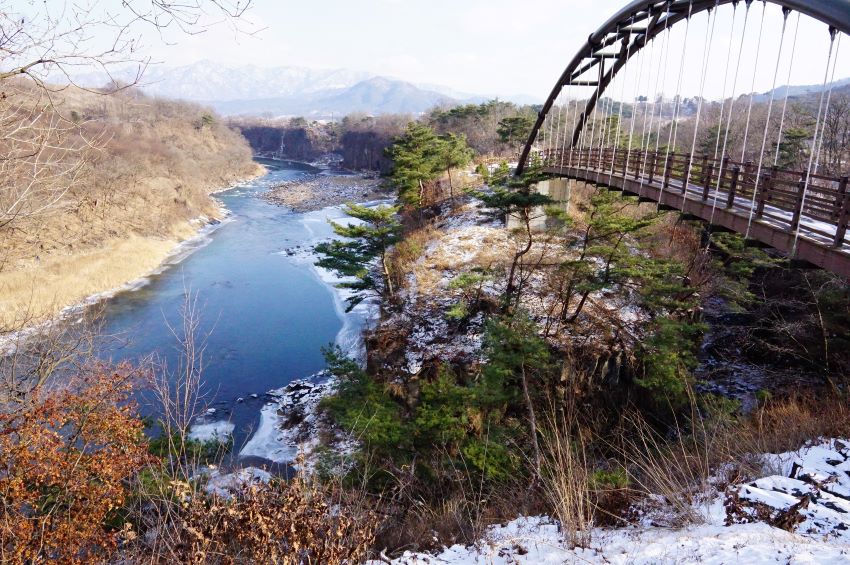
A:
[(753, 83), (725, 81), (548, 124), (785, 13), (642, 57), (572, 125), (787, 91), (671, 137), (828, 98), (649, 109), (605, 116), (564, 143), (729, 116), (557, 138), (832, 33), (603, 135), (623, 82), (709, 40), (552, 124), (659, 83)]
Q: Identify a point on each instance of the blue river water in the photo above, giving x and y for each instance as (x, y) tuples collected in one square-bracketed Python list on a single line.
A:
[(264, 310)]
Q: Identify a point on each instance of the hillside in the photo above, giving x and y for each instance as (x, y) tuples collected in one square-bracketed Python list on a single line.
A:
[(131, 177)]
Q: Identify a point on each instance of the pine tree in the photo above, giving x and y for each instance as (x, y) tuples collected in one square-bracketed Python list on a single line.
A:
[(515, 130), (601, 251), (418, 158), (455, 153), (792, 148), (517, 359), (519, 201), (501, 175), (364, 243)]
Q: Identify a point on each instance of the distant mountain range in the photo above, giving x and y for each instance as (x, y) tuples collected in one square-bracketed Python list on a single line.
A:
[(796, 91), (294, 91), (375, 95)]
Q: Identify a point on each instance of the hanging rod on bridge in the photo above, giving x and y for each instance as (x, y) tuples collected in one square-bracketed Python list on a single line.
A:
[(659, 15)]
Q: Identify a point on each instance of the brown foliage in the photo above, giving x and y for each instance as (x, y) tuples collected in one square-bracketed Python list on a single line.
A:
[(66, 457), (289, 523)]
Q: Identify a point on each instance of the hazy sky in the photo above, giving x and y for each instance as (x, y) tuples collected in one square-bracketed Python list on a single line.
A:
[(494, 47)]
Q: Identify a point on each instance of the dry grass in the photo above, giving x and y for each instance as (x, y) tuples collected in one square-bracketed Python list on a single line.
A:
[(405, 256), (565, 479), (688, 463), (43, 288), (787, 424), (676, 470), (457, 250)]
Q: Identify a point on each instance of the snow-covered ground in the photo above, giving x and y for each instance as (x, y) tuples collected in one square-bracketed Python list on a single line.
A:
[(813, 503), (289, 424), (226, 485)]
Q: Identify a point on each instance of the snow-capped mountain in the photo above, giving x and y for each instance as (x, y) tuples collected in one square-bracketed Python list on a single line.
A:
[(209, 81), (376, 95), (288, 90)]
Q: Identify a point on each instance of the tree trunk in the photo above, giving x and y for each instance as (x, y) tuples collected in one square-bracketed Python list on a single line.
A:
[(517, 256), (451, 185)]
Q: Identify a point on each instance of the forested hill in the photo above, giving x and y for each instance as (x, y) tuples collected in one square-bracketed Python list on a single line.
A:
[(495, 128)]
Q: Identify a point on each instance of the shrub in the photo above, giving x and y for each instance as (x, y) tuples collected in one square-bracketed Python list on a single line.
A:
[(67, 457)]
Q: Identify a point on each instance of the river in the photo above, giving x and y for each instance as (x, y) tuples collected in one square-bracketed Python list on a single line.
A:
[(265, 311)]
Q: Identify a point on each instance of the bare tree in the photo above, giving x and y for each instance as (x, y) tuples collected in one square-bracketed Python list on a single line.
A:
[(43, 48)]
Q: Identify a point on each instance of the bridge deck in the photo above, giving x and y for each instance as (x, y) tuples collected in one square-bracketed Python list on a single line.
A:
[(726, 194)]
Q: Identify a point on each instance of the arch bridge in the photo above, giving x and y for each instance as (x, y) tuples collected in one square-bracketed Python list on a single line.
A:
[(645, 139)]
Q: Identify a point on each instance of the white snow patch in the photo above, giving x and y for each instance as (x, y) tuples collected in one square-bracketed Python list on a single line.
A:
[(822, 472), (228, 484), (269, 441), (220, 431), (536, 540), (289, 425)]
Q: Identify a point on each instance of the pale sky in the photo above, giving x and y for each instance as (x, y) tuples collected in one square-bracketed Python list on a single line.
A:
[(489, 47)]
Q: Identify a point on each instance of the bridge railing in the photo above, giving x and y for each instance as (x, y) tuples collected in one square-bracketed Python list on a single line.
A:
[(776, 196)]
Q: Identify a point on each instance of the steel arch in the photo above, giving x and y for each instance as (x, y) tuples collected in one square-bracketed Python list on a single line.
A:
[(625, 28)]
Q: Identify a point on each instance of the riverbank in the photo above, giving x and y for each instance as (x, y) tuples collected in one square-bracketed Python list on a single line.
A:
[(290, 421), (39, 290)]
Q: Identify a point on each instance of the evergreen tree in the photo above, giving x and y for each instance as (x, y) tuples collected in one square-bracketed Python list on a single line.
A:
[(455, 153), (602, 253), (515, 130), (517, 360), (418, 158), (364, 243), (792, 148), (501, 175), (517, 200)]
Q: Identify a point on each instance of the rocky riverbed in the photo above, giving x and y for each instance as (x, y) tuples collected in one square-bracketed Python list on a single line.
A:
[(322, 190)]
